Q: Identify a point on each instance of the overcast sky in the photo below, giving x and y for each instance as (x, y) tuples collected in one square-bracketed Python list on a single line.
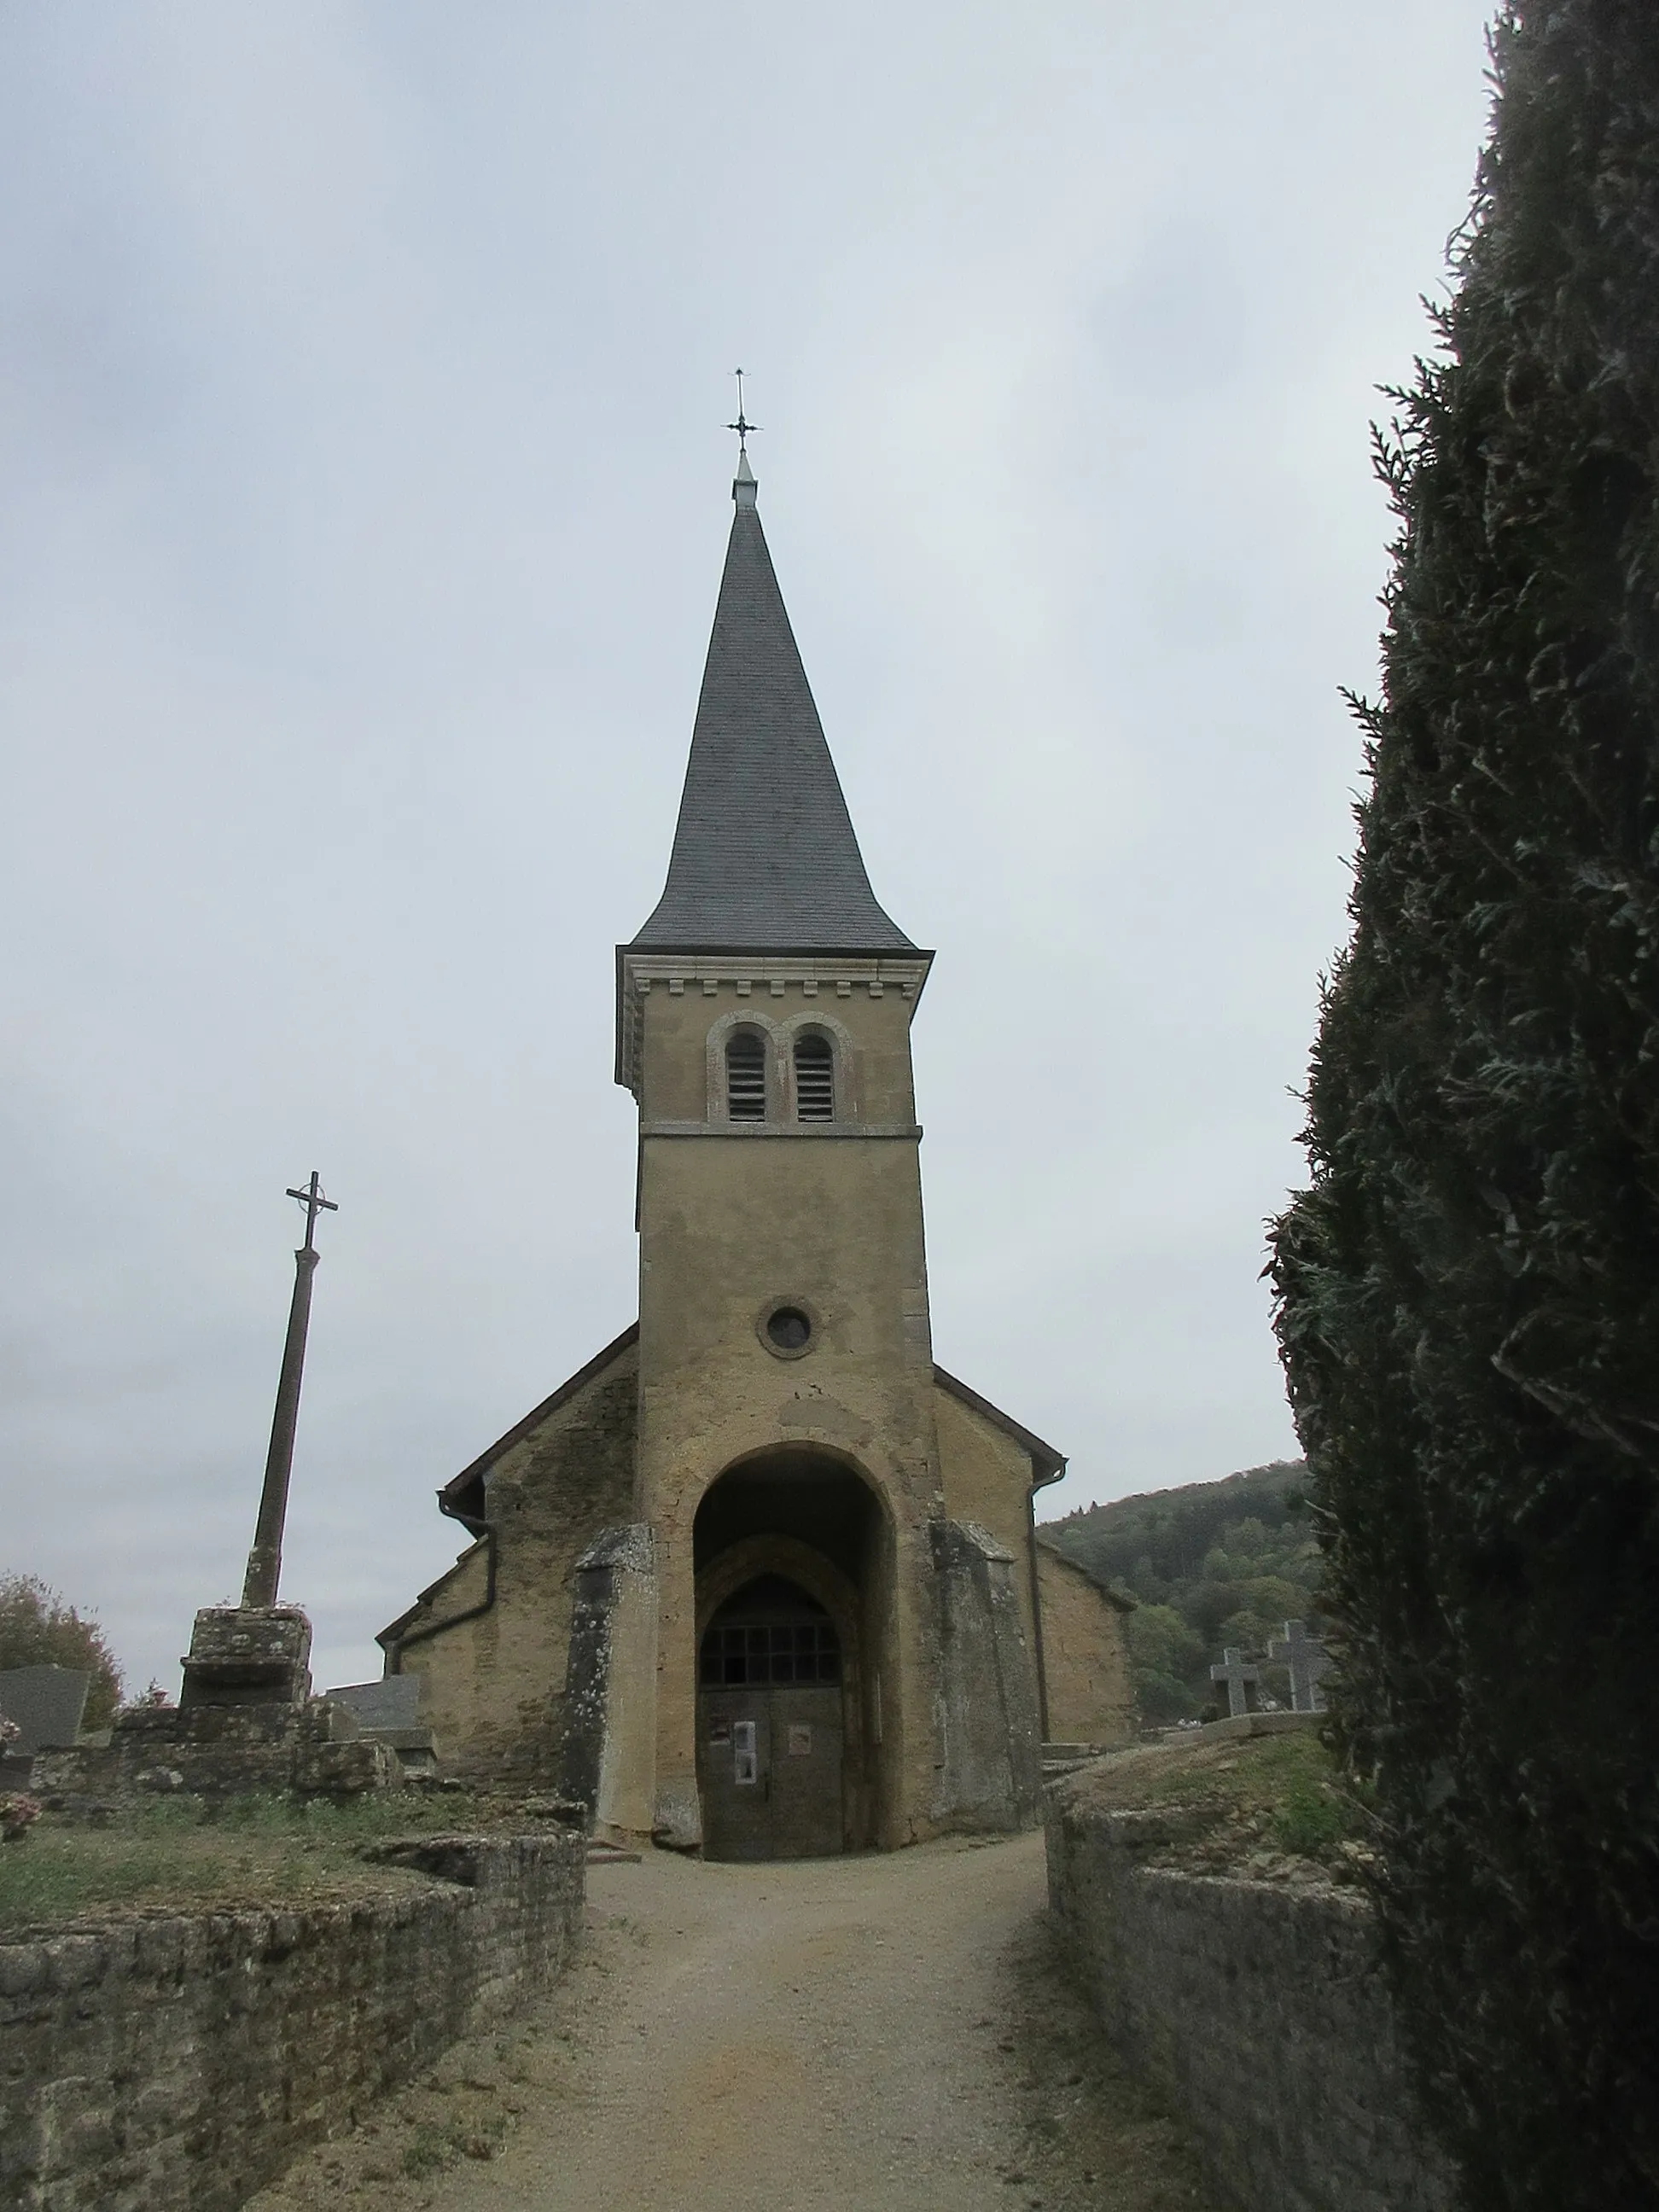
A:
[(363, 366)]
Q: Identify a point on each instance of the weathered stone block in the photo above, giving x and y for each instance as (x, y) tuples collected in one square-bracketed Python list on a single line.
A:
[(605, 1754), (23, 1967), (344, 1770), (248, 1655), (990, 1773)]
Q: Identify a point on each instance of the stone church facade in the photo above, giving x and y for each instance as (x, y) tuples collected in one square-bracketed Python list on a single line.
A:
[(762, 1577)]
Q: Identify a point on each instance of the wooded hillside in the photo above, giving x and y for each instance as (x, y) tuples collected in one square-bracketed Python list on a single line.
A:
[(1212, 1565)]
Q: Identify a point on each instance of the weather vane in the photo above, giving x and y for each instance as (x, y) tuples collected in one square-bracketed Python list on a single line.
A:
[(742, 426)]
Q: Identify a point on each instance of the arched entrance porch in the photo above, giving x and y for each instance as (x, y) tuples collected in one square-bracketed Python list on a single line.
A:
[(791, 1550)]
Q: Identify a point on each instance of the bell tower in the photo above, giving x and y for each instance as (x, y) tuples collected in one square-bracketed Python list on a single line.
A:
[(761, 1578), (786, 1364)]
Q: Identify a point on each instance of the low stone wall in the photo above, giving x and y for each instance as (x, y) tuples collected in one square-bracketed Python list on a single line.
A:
[(176, 2064), (1253, 2008)]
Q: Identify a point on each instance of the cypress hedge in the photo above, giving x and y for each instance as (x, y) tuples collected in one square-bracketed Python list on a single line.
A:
[(1468, 1291)]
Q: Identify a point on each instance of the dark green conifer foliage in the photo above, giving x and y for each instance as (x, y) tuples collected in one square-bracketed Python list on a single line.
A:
[(1469, 1290)]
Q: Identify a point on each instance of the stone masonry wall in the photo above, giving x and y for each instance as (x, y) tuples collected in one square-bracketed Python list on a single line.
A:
[(1254, 2009), (492, 1668), (176, 2064), (1085, 1655)]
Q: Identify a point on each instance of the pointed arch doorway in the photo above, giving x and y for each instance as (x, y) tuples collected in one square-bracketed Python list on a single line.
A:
[(789, 1549)]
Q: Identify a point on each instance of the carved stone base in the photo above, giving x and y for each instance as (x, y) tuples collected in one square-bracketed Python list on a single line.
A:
[(245, 1722)]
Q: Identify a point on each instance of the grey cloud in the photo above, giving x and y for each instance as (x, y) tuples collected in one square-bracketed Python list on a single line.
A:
[(361, 372)]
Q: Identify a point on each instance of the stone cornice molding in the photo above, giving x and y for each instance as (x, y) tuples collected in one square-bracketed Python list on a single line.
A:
[(749, 979), (910, 1131)]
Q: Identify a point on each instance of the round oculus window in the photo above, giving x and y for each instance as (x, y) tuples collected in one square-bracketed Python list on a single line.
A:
[(788, 1329)]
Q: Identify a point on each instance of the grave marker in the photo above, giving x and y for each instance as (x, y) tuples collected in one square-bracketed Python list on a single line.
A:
[(392, 1702), (46, 1703), (1307, 1658), (1240, 1674)]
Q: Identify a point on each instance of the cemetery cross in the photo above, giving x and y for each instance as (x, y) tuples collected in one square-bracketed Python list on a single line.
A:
[(1307, 1658), (1240, 1674)]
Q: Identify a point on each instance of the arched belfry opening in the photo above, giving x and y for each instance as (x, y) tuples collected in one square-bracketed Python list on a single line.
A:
[(793, 1553), (745, 1076)]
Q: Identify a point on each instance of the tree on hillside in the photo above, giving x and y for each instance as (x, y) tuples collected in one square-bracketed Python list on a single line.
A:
[(37, 1629), (1469, 1289), (1214, 1564), (1164, 1658)]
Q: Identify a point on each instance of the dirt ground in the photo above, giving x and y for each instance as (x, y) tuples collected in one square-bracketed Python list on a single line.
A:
[(871, 2034)]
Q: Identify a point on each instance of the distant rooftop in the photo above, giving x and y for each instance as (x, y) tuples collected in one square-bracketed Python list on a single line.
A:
[(765, 858)]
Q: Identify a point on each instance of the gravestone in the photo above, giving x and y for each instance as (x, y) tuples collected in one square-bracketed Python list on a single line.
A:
[(1307, 1659), (1240, 1674), (392, 1702), (46, 1703), (388, 1712)]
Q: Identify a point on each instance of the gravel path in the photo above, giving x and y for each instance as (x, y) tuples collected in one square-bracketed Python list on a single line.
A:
[(887, 2033)]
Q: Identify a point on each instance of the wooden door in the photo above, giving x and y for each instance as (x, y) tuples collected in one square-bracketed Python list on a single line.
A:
[(735, 1768), (769, 1728), (771, 1772), (805, 1732)]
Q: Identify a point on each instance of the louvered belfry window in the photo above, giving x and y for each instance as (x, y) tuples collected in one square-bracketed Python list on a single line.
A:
[(815, 1078), (745, 1076)]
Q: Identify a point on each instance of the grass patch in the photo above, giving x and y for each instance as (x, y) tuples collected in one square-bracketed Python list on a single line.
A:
[(1311, 1819), (179, 1853), (435, 2147), (1255, 1801)]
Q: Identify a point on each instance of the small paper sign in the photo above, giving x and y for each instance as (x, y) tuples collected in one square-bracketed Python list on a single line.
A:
[(745, 1763)]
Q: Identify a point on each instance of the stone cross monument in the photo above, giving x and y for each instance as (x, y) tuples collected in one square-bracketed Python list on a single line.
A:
[(245, 1718), (247, 1673), (264, 1561)]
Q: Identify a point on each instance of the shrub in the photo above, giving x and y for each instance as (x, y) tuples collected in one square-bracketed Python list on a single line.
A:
[(1469, 1289), (1163, 1652)]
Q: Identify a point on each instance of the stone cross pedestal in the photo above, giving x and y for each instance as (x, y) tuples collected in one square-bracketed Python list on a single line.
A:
[(246, 1723), (1240, 1674), (1307, 1659), (248, 1656)]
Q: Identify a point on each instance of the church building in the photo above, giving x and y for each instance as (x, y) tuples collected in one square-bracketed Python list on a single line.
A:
[(762, 1577)]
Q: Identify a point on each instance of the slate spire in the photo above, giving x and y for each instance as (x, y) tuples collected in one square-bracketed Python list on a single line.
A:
[(765, 858)]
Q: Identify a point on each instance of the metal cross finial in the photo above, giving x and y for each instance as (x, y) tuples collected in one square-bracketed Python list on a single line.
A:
[(742, 426), (314, 1203)]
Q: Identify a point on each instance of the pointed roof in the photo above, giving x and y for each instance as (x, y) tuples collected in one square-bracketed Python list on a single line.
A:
[(765, 858)]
